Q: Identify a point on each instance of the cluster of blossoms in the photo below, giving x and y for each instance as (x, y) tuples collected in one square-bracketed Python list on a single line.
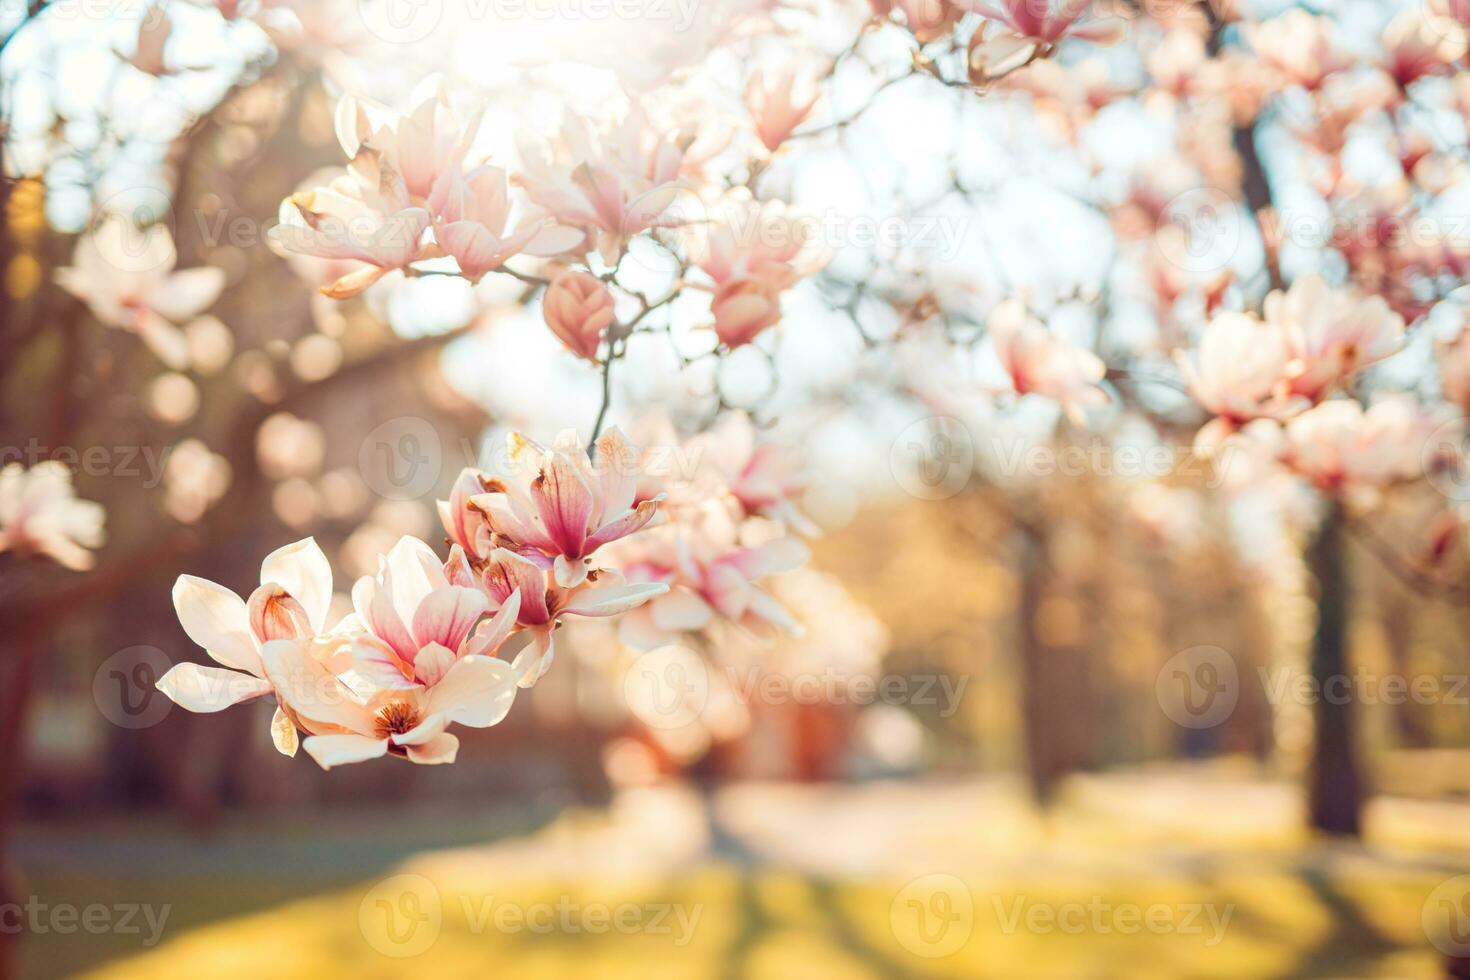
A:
[(430, 641), (40, 515)]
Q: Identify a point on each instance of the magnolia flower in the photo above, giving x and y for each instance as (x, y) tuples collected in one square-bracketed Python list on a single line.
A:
[(600, 593), (778, 105), (1417, 45), (40, 515), (125, 276), (555, 507), (475, 216), (1039, 363), (709, 577), (425, 147), (421, 621), (349, 718), (1331, 334), (753, 252), (290, 604), (1337, 445), (1299, 45), (612, 185), (578, 308), (1046, 22), (372, 224), (1238, 374), (927, 20), (765, 478)]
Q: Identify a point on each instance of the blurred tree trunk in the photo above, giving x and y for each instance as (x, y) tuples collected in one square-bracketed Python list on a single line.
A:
[(1410, 719), (17, 668), (1334, 787), (1040, 733)]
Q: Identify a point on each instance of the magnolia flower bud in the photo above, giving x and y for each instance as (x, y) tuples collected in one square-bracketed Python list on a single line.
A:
[(745, 306), (276, 615), (578, 308)]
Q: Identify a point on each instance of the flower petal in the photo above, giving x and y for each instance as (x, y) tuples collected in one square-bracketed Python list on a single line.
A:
[(613, 599), (207, 689), (302, 570), (437, 751), (447, 615), (216, 619), (341, 750), (476, 691)]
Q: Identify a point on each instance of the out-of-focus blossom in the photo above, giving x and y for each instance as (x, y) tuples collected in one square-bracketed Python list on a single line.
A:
[(290, 603), (578, 308), (765, 477), (349, 718), (1454, 368), (40, 515), (194, 478), (611, 184), (556, 508), (991, 55), (153, 35), (927, 20), (1300, 46), (1330, 333), (711, 576), (1238, 374), (1039, 363), (125, 276), (753, 252), (1417, 45), (1337, 445), (1047, 22), (778, 105)]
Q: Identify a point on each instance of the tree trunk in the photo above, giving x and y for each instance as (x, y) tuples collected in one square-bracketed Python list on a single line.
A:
[(1334, 787), (1040, 731), (18, 669)]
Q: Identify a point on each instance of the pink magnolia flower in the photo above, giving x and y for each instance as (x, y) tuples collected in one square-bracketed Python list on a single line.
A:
[(1417, 46), (764, 477), (778, 105), (601, 593), (1238, 374), (425, 146), (578, 308), (555, 507), (371, 223), (1047, 22), (125, 276), (290, 604), (927, 20), (710, 577), (40, 515), (612, 185), (474, 225), (1338, 445), (1331, 333), (350, 718), (1039, 363), (753, 252), (1300, 46), (422, 622)]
